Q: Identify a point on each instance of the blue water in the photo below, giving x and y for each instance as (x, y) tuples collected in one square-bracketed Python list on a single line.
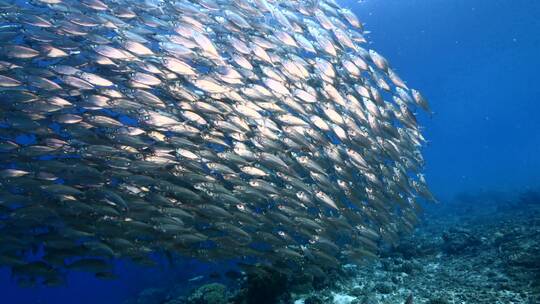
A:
[(476, 61)]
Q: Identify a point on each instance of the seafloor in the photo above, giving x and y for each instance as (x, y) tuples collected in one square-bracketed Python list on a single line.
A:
[(482, 248)]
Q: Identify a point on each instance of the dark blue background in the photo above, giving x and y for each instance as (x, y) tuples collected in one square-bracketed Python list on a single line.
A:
[(477, 62)]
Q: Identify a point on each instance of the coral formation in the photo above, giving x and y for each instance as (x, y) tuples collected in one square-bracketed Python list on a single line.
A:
[(485, 255), (213, 293)]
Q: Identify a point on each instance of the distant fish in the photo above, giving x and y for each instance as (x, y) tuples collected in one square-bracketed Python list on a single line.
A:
[(195, 279)]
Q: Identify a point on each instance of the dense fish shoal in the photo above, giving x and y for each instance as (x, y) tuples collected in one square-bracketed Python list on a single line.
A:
[(210, 129)]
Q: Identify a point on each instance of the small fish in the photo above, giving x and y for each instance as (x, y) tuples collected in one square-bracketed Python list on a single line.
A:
[(19, 51), (196, 278), (8, 82)]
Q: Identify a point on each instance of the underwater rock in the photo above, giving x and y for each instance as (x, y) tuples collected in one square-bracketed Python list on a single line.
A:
[(180, 300), (528, 258), (384, 287), (530, 198), (320, 280), (438, 300), (406, 249), (301, 288), (263, 286), (301, 283), (411, 248), (407, 267), (340, 298), (313, 300), (495, 260), (213, 293), (358, 291), (410, 267), (457, 241), (368, 299), (400, 266)]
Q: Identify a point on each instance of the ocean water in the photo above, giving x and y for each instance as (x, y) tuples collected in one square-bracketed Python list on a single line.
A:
[(476, 62)]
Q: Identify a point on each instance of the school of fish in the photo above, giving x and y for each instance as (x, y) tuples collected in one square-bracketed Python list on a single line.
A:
[(200, 128)]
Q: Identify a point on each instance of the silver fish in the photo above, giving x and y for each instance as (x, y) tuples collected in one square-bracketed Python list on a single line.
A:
[(162, 125)]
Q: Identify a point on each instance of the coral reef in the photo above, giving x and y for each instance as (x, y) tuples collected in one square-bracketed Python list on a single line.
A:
[(458, 240), (262, 286), (486, 256), (213, 293)]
